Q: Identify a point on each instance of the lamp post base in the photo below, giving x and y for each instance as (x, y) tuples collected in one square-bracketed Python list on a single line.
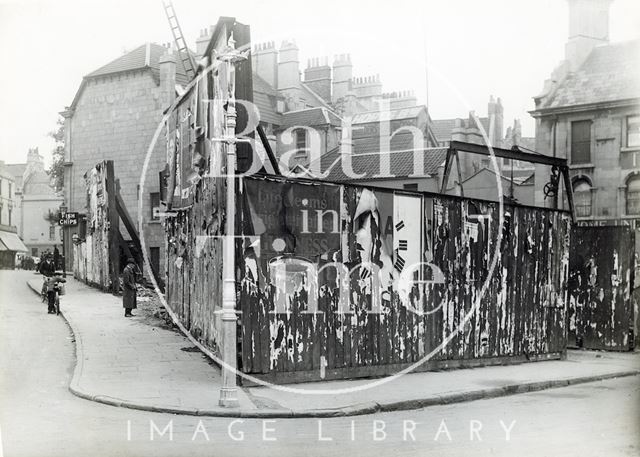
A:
[(229, 397)]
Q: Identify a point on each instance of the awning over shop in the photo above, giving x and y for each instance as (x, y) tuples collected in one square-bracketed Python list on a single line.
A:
[(10, 242)]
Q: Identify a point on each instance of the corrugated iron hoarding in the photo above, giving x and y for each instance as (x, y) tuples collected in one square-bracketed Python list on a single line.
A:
[(327, 290), (601, 307)]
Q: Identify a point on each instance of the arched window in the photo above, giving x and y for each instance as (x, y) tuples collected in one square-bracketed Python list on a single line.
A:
[(633, 195), (582, 197)]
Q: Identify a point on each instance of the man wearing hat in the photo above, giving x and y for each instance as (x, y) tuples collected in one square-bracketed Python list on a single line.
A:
[(129, 286)]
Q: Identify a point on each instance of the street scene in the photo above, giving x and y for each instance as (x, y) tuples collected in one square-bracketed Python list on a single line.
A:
[(407, 229)]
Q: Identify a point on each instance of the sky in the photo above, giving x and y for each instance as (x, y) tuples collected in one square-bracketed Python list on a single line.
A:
[(472, 49)]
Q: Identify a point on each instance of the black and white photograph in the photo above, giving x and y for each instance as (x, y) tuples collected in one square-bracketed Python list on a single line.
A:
[(339, 228)]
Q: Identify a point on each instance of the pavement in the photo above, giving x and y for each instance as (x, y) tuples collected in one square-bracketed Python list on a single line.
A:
[(130, 363)]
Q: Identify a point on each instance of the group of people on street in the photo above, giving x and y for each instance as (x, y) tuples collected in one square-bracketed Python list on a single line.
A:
[(53, 279)]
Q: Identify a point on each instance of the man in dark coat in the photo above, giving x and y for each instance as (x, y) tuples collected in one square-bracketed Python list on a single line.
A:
[(47, 267), (129, 286)]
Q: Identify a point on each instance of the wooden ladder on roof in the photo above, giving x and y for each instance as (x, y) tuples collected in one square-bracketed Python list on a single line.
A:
[(183, 51)]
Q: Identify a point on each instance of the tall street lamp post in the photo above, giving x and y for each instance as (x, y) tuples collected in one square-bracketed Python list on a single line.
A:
[(228, 392)]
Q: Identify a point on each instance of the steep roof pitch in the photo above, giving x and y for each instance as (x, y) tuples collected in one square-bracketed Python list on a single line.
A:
[(265, 98), (610, 72), (144, 56), (311, 96), (310, 117), (442, 128)]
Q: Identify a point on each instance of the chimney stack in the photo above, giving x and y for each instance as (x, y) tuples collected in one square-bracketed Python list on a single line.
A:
[(495, 111), (167, 65), (342, 74), (288, 66), (203, 41), (318, 77), (588, 27), (264, 60)]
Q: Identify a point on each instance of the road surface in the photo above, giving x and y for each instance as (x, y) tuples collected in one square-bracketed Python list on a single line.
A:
[(40, 417)]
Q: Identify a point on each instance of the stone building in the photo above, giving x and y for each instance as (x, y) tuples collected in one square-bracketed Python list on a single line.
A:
[(307, 110), (468, 130), (37, 205), (478, 174), (113, 116), (589, 113), (10, 243)]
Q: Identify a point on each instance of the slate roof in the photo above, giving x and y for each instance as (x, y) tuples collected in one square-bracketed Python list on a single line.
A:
[(394, 114), (144, 56), (400, 141), (310, 117), (365, 158), (610, 72), (310, 95), (401, 164), (442, 128), (265, 98)]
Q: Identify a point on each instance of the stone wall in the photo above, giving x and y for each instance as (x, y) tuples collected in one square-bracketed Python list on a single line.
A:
[(115, 119), (610, 165)]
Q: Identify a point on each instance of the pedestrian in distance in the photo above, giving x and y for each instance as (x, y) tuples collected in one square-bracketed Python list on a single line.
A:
[(129, 287), (47, 269), (53, 285), (47, 266)]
